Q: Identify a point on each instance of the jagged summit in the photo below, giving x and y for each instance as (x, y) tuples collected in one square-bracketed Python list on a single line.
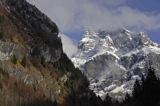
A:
[(119, 41), (113, 60)]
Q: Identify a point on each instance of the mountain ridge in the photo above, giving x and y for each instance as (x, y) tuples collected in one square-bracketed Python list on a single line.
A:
[(113, 60)]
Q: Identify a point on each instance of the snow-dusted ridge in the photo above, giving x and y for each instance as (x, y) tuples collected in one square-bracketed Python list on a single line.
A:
[(113, 60)]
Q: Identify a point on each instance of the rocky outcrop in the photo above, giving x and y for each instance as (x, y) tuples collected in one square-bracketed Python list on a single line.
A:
[(33, 68), (40, 32)]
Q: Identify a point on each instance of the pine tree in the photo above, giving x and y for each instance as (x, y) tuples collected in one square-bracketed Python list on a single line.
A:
[(151, 88), (151, 76), (137, 89), (147, 93), (108, 100)]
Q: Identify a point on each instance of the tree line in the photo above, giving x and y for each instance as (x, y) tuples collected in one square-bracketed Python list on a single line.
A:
[(145, 92)]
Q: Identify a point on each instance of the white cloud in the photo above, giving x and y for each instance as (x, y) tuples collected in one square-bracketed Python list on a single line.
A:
[(74, 15), (112, 2), (69, 46)]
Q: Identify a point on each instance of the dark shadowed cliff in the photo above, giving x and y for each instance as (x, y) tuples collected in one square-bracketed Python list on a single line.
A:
[(34, 71)]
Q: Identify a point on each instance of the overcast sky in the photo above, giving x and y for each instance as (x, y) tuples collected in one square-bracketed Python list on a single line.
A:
[(73, 16)]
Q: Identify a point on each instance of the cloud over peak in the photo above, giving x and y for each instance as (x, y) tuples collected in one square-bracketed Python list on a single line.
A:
[(69, 47), (71, 15)]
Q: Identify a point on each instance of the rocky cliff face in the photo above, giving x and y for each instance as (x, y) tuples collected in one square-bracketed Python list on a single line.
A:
[(113, 60), (33, 68), (38, 26)]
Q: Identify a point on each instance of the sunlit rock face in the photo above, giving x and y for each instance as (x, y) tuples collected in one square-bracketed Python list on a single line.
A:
[(113, 60)]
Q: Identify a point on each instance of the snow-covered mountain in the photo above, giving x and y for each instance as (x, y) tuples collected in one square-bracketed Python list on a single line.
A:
[(113, 60)]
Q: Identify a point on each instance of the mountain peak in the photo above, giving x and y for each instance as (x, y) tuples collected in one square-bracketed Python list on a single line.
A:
[(116, 58), (122, 39)]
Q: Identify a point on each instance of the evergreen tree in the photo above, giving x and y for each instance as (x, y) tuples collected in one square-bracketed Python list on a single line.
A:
[(151, 76), (147, 93), (108, 101), (151, 88), (137, 89)]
